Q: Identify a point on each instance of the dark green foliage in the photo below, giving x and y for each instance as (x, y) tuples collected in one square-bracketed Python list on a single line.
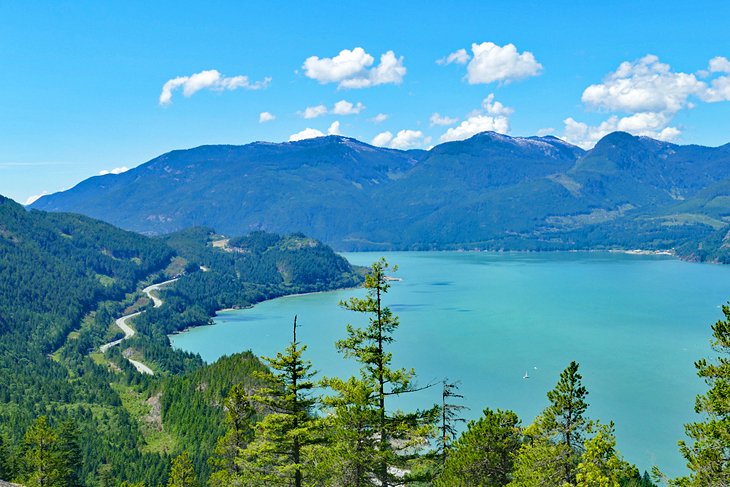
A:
[(484, 454), (278, 453), (56, 269), (376, 441), (65, 279), (70, 456), (192, 405), (708, 452), (564, 418), (564, 421), (51, 457)]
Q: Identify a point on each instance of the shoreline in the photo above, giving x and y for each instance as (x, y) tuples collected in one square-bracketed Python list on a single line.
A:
[(217, 313), (639, 252)]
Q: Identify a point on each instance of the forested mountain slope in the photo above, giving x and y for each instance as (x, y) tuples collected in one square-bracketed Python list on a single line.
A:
[(65, 278), (491, 191)]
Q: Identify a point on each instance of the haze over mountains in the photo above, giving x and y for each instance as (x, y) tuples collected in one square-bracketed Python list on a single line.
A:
[(491, 191)]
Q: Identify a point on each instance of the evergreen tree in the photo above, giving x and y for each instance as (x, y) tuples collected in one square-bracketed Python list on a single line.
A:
[(69, 452), (565, 421), (276, 456), (240, 415), (5, 472), (395, 433), (551, 454), (449, 417), (708, 455), (565, 415), (41, 455), (484, 454), (182, 472), (600, 465), (353, 453)]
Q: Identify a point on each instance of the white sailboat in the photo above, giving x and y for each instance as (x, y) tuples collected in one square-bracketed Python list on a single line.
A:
[(526, 376)]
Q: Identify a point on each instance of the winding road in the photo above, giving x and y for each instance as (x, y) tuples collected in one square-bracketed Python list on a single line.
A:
[(129, 331)]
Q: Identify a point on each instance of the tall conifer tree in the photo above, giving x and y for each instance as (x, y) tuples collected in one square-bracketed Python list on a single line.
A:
[(277, 454), (364, 399), (41, 457)]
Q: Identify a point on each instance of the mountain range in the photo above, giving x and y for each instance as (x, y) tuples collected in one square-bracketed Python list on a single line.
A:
[(492, 192)]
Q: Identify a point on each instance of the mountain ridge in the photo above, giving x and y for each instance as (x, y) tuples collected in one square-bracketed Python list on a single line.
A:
[(491, 191)]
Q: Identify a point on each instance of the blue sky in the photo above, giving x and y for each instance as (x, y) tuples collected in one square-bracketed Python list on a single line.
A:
[(81, 82)]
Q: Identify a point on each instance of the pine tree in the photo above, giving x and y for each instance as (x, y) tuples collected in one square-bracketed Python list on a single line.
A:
[(600, 465), (41, 457), (276, 456), (708, 455), (449, 417), (395, 433), (240, 415), (182, 472), (69, 451), (353, 453), (484, 454), (565, 415), (551, 452)]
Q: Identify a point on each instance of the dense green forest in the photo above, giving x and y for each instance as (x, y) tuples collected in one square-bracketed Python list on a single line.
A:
[(65, 279)]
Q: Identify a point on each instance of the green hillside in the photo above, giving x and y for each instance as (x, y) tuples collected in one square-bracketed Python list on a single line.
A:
[(66, 278)]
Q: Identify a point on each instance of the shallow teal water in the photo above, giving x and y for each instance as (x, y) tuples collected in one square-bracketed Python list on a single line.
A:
[(636, 324)]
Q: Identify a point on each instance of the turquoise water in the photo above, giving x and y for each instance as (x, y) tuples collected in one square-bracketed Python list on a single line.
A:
[(636, 324)]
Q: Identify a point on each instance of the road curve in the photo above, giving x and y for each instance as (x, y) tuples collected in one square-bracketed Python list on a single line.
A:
[(129, 331)]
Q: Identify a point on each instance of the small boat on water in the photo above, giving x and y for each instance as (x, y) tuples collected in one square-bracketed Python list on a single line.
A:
[(526, 376)]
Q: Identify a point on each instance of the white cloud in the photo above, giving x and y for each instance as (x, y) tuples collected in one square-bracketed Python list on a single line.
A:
[(491, 63), (307, 133), (648, 95), (379, 118), (266, 117), (314, 112), (382, 139), (719, 64), (403, 140), (719, 90), (458, 57), (645, 85), (35, 197), (353, 69), (649, 124), (409, 139), (494, 117), (493, 107), (438, 119), (310, 133), (474, 125), (334, 129), (116, 170), (210, 79), (344, 107)]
